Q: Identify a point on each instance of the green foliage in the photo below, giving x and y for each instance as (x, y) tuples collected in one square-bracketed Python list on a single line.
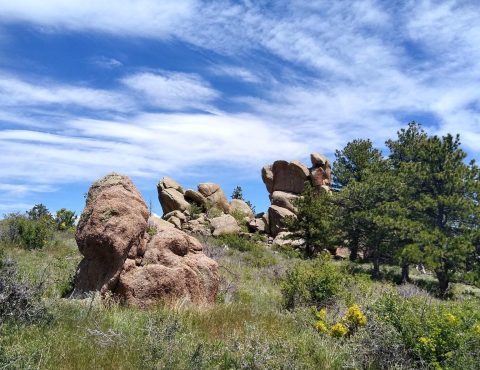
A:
[(442, 335), (65, 219), (39, 211), (352, 161), (312, 283), (195, 210), (314, 221), (212, 210), (30, 233)]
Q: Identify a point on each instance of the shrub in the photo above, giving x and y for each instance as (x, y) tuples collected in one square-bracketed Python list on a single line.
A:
[(19, 302), (65, 219), (26, 232), (437, 333), (195, 211), (312, 283)]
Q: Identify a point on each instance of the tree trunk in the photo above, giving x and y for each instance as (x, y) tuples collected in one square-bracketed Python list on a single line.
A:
[(354, 250), (405, 273), (376, 267), (443, 283)]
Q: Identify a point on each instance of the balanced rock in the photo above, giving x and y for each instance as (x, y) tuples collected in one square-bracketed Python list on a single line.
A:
[(289, 177), (214, 195), (170, 195), (141, 265)]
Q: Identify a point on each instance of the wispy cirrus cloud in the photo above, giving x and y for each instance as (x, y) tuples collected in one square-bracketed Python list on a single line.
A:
[(171, 90), (317, 74)]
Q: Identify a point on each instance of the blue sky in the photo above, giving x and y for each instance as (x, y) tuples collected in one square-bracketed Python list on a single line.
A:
[(213, 90)]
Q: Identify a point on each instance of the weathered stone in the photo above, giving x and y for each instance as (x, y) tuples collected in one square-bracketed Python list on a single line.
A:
[(113, 222), (241, 206), (175, 221), (276, 217), (180, 215), (284, 238), (257, 225), (224, 224), (267, 177), (215, 196), (169, 183), (198, 226), (158, 223), (289, 177), (284, 200), (173, 268), (172, 200), (193, 196), (139, 267)]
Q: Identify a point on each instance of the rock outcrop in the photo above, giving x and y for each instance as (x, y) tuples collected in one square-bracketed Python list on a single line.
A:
[(285, 182), (142, 261), (204, 212)]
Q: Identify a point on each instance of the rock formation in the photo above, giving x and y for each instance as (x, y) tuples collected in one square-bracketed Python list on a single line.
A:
[(138, 259), (285, 181), (205, 211)]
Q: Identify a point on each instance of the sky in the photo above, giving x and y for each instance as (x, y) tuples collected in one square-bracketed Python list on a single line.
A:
[(210, 91)]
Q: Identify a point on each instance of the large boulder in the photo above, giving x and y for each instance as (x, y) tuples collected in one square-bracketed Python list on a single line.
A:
[(111, 225), (172, 200), (193, 196), (214, 195), (172, 268), (284, 200), (276, 217), (289, 177), (238, 205), (224, 224), (169, 183), (141, 262)]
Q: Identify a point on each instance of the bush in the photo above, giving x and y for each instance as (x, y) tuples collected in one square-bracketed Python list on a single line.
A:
[(312, 283), (19, 302), (65, 219), (439, 334), (26, 232)]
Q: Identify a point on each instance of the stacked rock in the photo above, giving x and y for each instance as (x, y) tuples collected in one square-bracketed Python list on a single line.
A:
[(205, 211), (285, 182)]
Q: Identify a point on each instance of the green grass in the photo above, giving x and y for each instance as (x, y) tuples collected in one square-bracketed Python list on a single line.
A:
[(248, 327)]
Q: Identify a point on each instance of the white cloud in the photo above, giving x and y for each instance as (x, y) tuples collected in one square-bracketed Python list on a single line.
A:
[(242, 74), (127, 17), (17, 92), (106, 62), (174, 91)]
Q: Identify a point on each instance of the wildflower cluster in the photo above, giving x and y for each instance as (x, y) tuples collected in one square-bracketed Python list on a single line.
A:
[(348, 324)]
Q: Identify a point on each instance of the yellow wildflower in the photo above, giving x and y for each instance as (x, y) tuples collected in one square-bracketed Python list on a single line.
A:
[(322, 314), (451, 319), (355, 316), (476, 329), (428, 343), (321, 326), (338, 330)]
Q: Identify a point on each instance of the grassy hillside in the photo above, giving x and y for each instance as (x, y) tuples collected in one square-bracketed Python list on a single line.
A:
[(266, 317)]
